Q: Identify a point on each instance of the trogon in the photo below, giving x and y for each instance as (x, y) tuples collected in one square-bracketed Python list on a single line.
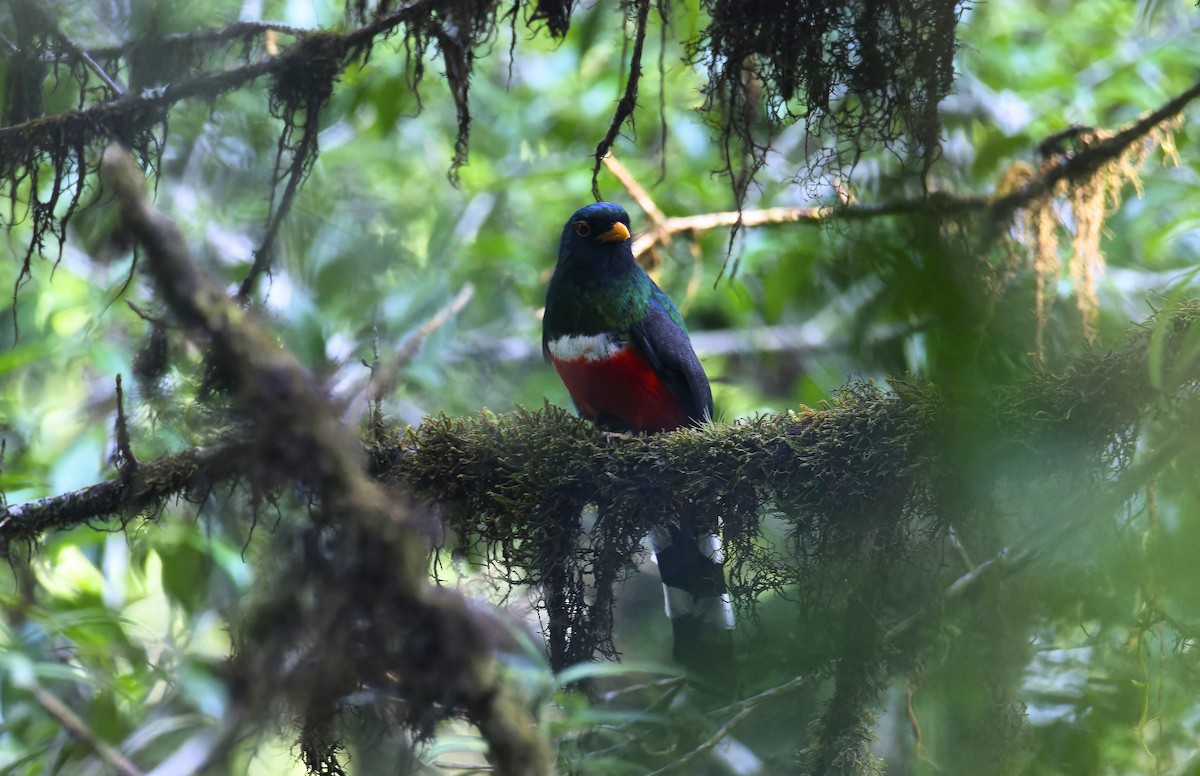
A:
[(621, 347)]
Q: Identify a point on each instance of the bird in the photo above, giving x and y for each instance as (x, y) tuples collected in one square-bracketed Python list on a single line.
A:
[(622, 350)]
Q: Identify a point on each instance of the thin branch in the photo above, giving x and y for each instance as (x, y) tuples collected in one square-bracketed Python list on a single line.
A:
[(301, 154), (91, 64), (812, 215), (376, 399), (805, 339), (663, 231), (1082, 511), (80, 730), (708, 744), (635, 189), (50, 24), (103, 122), (384, 375), (466, 767), (1077, 166), (234, 31), (453, 308), (790, 686), (301, 157), (628, 102)]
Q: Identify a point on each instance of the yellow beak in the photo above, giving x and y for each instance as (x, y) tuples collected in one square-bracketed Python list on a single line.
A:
[(618, 233)]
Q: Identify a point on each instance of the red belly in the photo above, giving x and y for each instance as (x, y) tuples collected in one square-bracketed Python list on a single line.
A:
[(624, 387)]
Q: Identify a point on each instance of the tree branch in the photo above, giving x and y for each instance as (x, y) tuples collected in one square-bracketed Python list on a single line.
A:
[(635, 189), (151, 485), (1074, 167), (1101, 393), (80, 730), (384, 373), (707, 745), (1084, 163), (105, 122), (230, 32), (382, 576)]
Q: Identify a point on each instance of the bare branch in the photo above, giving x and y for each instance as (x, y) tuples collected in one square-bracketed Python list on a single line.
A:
[(663, 231), (708, 744), (1077, 166), (230, 32), (91, 64), (639, 194), (385, 373), (80, 730)]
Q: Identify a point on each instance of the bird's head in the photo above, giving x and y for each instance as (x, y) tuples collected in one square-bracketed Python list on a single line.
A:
[(595, 231)]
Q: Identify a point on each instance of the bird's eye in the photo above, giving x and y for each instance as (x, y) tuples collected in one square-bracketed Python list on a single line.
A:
[(583, 229)]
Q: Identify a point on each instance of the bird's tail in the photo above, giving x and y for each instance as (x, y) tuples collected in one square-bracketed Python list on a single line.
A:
[(692, 568)]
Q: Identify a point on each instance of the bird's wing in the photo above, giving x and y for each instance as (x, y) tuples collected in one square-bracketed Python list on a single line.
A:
[(662, 337)]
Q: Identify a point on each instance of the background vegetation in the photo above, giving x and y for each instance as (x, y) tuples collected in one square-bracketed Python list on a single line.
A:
[(988, 567)]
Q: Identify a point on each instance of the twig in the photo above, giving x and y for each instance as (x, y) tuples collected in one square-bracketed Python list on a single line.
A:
[(958, 547), (1077, 166), (383, 377), (468, 767), (793, 684), (639, 194), (234, 31), (376, 400), (665, 229), (145, 316), (72, 48), (414, 343), (91, 63), (296, 173), (667, 683), (1083, 509), (79, 729), (712, 741), (303, 153), (913, 723), (628, 102), (811, 337)]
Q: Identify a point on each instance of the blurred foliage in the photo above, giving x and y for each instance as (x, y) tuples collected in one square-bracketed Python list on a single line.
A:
[(1082, 661)]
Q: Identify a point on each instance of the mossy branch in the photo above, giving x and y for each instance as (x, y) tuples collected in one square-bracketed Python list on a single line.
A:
[(817, 460), (425, 643), (856, 484)]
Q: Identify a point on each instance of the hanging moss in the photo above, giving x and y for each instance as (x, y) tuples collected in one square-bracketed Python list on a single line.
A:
[(859, 75)]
